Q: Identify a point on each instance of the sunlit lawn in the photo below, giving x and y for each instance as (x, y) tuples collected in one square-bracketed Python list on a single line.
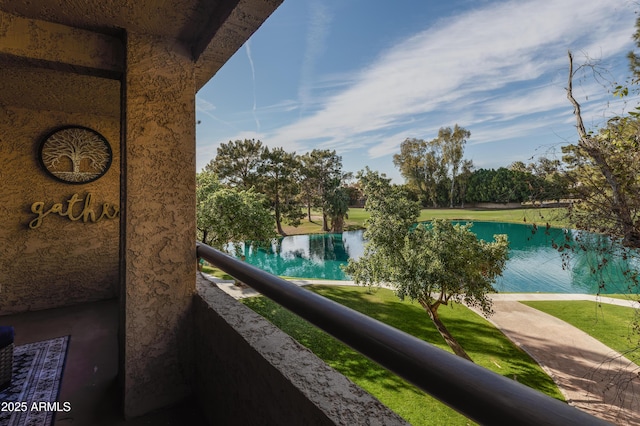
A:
[(484, 343), (539, 216), (358, 216), (610, 324)]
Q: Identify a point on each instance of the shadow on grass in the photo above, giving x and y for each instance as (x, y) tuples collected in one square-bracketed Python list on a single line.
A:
[(486, 345), (335, 353)]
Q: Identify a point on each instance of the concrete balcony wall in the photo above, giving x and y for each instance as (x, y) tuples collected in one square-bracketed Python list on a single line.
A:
[(247, 371)]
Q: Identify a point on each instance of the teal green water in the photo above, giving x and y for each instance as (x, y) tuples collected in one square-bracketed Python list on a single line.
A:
[(533, 265)]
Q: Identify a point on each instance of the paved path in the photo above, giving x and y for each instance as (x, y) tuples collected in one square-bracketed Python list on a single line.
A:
[(586, 371), (583, 368)]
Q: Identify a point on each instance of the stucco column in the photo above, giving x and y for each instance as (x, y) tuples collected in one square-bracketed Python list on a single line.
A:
[(158, 223)]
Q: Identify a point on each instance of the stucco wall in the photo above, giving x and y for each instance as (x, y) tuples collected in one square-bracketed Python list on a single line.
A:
[(62, 262), (248, 372), (158, 239)]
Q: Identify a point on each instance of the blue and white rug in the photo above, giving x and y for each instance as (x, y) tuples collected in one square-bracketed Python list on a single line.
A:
[(31, 398)]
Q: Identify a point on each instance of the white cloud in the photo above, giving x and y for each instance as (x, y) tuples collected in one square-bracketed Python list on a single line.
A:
[(463, 61), (204, 105), (207, 149), (318, 30), (247, 47)]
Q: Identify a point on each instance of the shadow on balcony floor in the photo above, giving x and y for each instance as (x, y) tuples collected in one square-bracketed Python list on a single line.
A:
[(89, 382)]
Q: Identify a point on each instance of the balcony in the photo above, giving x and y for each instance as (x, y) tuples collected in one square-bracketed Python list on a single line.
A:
[(246, 371), (90, 379)]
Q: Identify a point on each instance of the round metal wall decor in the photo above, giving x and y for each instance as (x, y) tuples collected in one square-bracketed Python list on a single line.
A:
[(75, 154)]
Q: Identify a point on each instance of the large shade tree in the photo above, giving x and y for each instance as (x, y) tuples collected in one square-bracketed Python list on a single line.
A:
[(423, 166), (426, 165), (453, 142), (434, 264), (227, 217)]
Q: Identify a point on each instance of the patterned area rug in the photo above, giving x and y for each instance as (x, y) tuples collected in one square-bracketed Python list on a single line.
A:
[(30, 400)]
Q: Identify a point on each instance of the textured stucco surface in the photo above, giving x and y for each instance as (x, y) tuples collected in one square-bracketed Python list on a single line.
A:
[(62, 262), (37, 40), (250, 372), (210, 30), (159, 222), (51, 90), (56, 59)]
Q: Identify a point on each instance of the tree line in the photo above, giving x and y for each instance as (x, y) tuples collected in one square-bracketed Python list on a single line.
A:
[(248, 188), (437, 174), (255, 188)]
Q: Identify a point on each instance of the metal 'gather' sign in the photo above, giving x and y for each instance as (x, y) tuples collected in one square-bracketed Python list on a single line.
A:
[(75, 154)]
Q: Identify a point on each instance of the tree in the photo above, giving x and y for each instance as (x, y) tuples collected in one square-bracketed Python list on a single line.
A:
[(336, 208), (422, 165), (452, 142), (519, 166), (499, 186), (434, 264), (463, 180), (236, 163), (308, 184), (634, 58), (279, 182), (551, 181), (605, 168), (227, 215), (321, 179)]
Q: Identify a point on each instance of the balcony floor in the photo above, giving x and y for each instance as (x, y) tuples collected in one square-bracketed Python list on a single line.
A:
[(89, 381)]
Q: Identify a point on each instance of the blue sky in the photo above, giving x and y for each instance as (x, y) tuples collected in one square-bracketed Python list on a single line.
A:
[(361, 76)]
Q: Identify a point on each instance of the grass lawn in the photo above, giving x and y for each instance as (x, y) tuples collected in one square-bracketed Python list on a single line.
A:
[(358, 216), (539, 216), (484, 343), (610, 324), (216, 272), (629, 296)]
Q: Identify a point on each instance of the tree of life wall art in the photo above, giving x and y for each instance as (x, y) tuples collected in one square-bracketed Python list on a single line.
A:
[(75, 154)]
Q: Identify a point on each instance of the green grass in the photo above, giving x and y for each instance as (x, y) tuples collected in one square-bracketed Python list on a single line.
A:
[(553, 216), (610, 324), (358, 216), (624, 296), (207, 269), (484, 343)]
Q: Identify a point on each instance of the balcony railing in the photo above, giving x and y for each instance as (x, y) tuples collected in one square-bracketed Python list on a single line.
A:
[(478, 393)]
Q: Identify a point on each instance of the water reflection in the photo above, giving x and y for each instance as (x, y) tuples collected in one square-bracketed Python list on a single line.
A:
[(533, 265)]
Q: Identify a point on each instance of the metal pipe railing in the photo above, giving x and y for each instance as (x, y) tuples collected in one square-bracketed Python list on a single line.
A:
[(478, 393)]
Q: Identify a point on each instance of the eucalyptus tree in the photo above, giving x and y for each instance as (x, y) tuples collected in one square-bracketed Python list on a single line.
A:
[(434, 264), (452, 142), (236, 163), (422, 165)]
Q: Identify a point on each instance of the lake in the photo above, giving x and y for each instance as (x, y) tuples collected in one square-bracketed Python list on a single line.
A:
[(533, 265)]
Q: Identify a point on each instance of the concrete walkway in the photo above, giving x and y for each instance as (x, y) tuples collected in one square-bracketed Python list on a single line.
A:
[(590, 375)]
